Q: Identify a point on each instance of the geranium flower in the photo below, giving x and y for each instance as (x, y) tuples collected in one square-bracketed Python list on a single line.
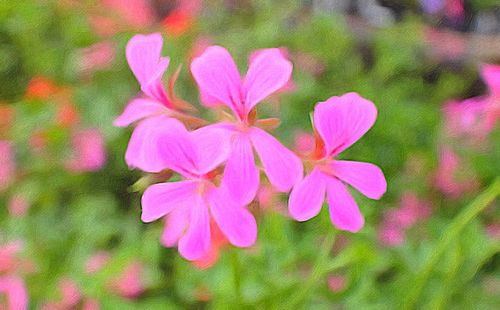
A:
[(13, 288), (220, 83), (190, 203), (147, 64), (7, 164), (339, 122)]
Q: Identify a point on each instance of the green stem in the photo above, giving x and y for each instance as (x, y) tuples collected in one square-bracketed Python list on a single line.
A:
[(317, 272), (451, 233), (235, 264)]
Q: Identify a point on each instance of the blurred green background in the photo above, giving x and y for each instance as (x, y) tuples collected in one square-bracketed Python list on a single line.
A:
[(63, 72)]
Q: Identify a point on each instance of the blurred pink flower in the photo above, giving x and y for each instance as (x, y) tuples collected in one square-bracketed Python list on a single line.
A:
[(97, 261), (71, 298), (396, 221), (18, 205), (129, 283), (119, 15), (337, 283), (452, 177), (493, 231), (445, 45), (89, 153), (190, 203), (7, 164), (15, 292), (339, 122), (9, 261), (96, 57), (220, 83)]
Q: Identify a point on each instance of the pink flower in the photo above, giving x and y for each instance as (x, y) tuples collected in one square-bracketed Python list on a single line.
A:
[(89, 153), (96, 262), (15, 291), (339, 122), (71, 298), (129, 284), (189, 204), (221, 84), (397, 221), (8, 256), (96, 57), (491, 76), (147, 64), (452, 176), (337, 283), (18, 205), (7, 164)]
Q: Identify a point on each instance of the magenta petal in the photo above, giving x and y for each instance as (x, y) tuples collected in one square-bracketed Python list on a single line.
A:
[(213, 145), (218, 77), (177, 150), (283, 168), (175, 225), (160, 199), (234, 220), (491, 76), (196, 242), (365, 177), (344, 211), (268, 72), (144, 58), (241, 176), (138, 109), (343, 120), (307, 196), (143, 149)]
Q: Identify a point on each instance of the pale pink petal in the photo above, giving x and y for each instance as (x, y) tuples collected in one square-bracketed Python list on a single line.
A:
[(234, 220), (241, 176), (144, 58), (196, 242), (138, 109), (268, 72), (341, 121), (218, 77), (160, 199), (283, 168), (344, 211), (143, 149), (307, 196), (365, 177), (213, 146), (176, 223)]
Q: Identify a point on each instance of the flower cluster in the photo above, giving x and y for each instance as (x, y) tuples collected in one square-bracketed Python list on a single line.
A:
[(220, 174)]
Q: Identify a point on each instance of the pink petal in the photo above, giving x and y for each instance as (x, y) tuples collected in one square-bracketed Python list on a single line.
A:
[(268, 72), (307, 196), (175, 226), (213, 145), (143, 150), (341, 121), (196, 242), (138, 109), (234, 220), (365, 177), (344, 211), (241, 175), (144, 58), (218, 77), (283, 168), (15, 291), (491, 76), (160, 199)]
